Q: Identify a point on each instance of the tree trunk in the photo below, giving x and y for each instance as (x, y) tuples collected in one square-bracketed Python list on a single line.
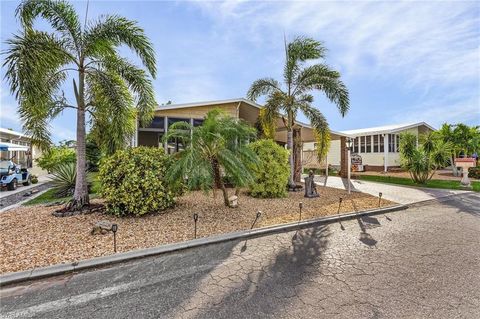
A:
[(80, 196), (454, 167), (297, 154), (219, 183), (291, 180)]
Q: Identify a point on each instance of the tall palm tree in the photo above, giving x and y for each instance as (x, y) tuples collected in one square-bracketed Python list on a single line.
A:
[(105, 85), (300, 80), (216, 149)]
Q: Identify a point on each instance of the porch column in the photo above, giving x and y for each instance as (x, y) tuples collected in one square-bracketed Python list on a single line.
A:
[(385, 152), (165, 125), (343, 157)]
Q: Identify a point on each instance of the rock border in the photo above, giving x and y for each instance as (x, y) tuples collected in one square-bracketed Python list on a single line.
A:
[(59, 269)]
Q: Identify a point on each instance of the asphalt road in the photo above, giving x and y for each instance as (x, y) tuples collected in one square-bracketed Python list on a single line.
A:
[(423, 262)]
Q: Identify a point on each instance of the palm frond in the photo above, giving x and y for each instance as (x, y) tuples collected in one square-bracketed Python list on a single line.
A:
[(320, 126), (114, 30), (138, 82), (112, 105), (265, 86), (60, 14), (34, 71)]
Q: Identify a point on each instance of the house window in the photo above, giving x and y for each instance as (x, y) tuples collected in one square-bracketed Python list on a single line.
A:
[(369, 143), (355, 145), (391, 143), (362, 144), (197, 122), (174, 145), (375, 143), (397, 143), (157, 122)]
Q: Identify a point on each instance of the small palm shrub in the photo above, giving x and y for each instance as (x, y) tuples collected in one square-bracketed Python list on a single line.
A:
[(474, 172), (423, 160), (63, 179), (271, 172), (133, 182)]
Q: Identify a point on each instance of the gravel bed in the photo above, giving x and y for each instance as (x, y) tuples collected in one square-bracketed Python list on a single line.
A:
[(18, 197), (31, 237)]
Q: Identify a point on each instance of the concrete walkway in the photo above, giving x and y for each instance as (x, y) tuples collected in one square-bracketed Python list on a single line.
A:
[(41, 180), (396, 193)]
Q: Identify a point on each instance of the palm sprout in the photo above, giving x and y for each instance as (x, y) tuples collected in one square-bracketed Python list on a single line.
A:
[(108, 87), (216, 149), (299, 80)]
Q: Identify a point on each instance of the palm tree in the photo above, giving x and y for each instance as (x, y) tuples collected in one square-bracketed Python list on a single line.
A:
[(422, 161), (217, 147), (296, 95), (105, 85)]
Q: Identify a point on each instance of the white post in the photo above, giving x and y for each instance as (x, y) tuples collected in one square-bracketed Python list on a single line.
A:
[(326, 165), (165, 130), (349, 169), (385, 152)]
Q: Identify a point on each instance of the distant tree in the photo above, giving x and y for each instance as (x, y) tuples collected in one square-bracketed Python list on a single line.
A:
[(300, 79), (110, 88), (213, 150)]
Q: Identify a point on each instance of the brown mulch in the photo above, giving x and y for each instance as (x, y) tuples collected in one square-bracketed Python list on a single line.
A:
[(31, 237)]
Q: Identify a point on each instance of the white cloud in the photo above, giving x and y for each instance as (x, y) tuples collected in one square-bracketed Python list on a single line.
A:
[(429, 47)]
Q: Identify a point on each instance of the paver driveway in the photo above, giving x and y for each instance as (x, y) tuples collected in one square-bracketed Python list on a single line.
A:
[(423, 262)]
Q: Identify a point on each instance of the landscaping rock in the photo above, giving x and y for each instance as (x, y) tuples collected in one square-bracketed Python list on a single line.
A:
[(233, 201), (101, 227)]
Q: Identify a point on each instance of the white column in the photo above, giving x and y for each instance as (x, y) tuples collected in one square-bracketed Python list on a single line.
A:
[(165, 125), (385, 152), (349, 168), (326, 165)]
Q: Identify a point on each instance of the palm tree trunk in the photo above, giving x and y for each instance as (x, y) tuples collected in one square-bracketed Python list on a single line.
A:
[(291, 181), (219, 183), (80, 196)]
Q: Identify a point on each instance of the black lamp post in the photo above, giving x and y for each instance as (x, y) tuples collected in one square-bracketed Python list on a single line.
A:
[(195, 219), (114, 230)]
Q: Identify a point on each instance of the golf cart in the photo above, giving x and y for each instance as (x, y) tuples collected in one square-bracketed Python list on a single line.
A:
[(11, 174)]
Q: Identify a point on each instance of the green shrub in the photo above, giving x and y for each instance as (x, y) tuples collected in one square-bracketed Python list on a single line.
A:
[(474, 172), (34, 179), (272, 172), (56, 156), (133, 181), (93, 154)]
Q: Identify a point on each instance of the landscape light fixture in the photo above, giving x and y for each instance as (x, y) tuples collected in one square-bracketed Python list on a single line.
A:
[(114, 230), (195, 219), (300, 206), (339, 204), (379, 199), (259, 213)]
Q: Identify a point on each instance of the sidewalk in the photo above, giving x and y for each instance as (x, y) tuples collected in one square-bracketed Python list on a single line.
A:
[(396, 193), (41, 180)]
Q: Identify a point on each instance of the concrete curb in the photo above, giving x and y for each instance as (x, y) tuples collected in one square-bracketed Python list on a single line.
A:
[(59, 269)]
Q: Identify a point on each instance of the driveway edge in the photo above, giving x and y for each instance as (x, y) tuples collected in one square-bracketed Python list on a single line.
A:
[(60, 269)]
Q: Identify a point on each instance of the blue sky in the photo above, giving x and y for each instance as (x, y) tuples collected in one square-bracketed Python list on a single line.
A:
[(402, 61)]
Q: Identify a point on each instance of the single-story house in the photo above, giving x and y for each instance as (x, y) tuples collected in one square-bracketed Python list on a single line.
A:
[(193, 113), (374, 148), (17, 146)]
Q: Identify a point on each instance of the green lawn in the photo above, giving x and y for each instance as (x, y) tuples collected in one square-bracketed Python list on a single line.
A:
[(50, 196), (434, 183)]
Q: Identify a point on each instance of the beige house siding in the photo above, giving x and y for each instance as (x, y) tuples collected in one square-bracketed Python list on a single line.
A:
[(198, 111)]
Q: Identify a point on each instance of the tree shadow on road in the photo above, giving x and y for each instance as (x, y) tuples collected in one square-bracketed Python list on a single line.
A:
[(469, 204), (265, 287)]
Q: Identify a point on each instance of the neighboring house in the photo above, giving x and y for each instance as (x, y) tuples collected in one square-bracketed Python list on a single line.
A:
[(17, 146), (193, 113), (377, 147)]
